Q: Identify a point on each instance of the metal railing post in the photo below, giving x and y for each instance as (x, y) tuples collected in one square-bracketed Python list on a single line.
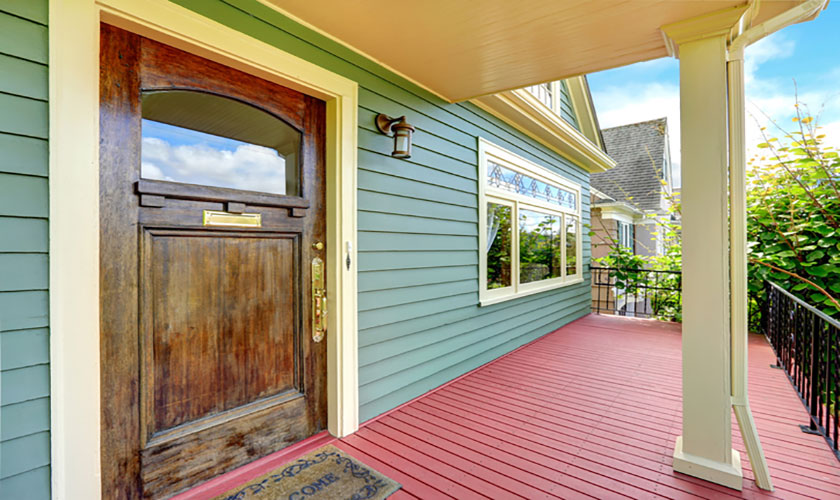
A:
[(813, 376), (647, 285), (806, 342)]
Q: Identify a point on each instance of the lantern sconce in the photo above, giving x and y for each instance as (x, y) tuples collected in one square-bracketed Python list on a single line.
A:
[(402, 132)]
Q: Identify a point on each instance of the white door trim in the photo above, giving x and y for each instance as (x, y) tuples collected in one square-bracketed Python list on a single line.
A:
[(74, 211)]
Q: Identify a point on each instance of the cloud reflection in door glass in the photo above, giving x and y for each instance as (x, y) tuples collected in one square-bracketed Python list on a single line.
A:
[(177, 154)]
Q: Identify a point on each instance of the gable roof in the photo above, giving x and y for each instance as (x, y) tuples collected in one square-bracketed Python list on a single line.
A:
[(580, 96), (639, 150)]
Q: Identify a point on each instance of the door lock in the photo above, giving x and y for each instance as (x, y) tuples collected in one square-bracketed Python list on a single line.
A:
[(319, 300)]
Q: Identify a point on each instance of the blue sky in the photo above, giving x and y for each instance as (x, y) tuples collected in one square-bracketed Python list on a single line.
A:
[(807, 52)]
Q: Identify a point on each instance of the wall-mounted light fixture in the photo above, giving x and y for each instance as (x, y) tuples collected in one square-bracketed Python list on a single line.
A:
[(402, 134)]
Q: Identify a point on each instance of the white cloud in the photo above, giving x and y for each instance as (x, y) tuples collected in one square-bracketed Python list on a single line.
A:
[(248, 167), (766, 49), (772, 100), (151, 171), (767, 98), (832, 134)]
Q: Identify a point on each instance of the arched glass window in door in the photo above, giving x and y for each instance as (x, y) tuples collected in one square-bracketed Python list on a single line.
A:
[(205, 139)]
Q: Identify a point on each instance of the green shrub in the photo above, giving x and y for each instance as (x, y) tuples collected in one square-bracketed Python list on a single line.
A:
[(793, 216)]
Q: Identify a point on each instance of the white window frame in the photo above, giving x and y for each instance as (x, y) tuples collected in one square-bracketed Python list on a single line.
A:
[(488, 151), (626, 234), (556, 90), (551, 89)]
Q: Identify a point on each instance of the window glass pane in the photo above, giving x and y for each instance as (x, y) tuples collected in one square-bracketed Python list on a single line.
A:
[(501, 177), (572, 235), (498, 245), (621, 231), (540, 246), (199, 138), (626, 234)]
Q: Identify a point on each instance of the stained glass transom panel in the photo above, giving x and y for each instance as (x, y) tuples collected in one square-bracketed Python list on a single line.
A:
[(503, 178)]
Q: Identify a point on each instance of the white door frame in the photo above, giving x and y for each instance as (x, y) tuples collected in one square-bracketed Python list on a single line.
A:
[(74, 211)]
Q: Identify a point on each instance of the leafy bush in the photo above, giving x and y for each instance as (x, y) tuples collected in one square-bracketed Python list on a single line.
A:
[(793, 216), (793, 225), (630, 271)]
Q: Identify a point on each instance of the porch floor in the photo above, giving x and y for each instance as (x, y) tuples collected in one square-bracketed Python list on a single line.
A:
[(590, 410)]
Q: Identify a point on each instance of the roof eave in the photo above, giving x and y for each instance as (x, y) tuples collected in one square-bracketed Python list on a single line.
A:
[(600, 194), (621, 205), (524, 111), (584, 107)]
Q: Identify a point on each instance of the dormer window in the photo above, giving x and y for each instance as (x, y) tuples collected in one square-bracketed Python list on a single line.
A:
[(554, 97), (544, 92)]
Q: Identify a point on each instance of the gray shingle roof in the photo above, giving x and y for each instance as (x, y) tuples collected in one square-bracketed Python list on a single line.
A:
[(639, 151)]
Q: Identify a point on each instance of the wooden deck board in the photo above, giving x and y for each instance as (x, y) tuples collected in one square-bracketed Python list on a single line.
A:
[(589, 411), (593, 409)]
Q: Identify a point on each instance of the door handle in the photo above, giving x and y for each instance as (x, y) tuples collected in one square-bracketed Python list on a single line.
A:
[(319, 301)]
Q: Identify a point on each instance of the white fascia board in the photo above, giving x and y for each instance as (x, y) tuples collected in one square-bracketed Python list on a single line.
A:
[(600, 194), (526, 113)]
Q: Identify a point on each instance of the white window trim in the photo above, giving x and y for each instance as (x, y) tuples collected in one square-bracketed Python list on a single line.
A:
[(624, 236), (553, 88), (489, 151), (556, 89)]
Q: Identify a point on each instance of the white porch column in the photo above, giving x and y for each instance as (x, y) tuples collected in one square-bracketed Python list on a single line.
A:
[(705, 448), (713, 381)]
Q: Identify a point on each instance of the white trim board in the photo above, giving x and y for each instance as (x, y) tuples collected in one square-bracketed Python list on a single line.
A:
[(74, 211), (523, 111), (489, 151)]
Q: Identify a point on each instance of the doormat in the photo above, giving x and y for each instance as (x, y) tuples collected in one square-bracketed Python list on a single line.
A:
[(326, 473)]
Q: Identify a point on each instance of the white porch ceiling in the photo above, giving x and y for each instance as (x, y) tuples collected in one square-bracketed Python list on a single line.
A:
[(461, 49)]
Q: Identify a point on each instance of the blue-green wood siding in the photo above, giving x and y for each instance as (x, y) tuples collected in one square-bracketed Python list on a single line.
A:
[(419, 320), (24, 264), (420, 324), (567, 111)]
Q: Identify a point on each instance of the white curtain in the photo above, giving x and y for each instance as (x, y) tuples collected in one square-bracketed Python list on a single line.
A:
[(492, 224)]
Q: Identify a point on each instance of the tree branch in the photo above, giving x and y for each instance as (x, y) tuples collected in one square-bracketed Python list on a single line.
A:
[(795, 177), (805, 280), (786, 240)]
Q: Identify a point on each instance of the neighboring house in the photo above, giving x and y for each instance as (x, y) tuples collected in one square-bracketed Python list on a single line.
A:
[(630, 202), (229, 225)]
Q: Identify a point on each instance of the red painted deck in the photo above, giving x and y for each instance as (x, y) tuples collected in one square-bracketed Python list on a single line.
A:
[(591, 410)]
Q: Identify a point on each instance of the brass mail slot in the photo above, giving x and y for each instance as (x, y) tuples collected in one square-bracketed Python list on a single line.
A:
[(216, 218)]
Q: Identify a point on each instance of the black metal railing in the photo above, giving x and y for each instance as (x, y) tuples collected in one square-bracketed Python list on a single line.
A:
[(807, 346), (641, 293)]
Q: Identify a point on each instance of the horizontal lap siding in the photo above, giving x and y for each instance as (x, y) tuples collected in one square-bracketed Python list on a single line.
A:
[(24, 261), (419, 320), (567, 111)]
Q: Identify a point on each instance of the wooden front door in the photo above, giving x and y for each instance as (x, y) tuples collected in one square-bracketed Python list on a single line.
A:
[(212, 209)]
